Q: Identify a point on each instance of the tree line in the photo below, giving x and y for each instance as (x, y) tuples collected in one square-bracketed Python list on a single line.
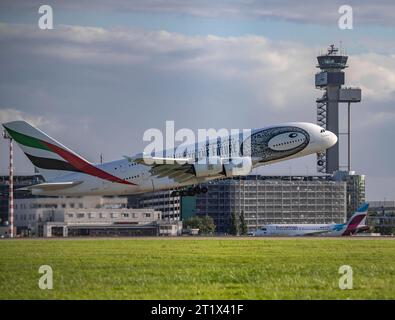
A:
[(206, 225)]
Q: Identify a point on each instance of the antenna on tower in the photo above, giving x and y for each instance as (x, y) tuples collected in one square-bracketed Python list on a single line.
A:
[(332, 50)]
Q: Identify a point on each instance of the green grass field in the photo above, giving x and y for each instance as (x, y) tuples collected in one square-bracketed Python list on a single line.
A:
[(197, 268)]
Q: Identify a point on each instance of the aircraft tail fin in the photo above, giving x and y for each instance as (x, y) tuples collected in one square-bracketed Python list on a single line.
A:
[(50, 157), (358, 219)]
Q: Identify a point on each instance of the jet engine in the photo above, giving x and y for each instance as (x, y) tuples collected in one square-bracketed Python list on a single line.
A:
[(238, 166), (213, 167)]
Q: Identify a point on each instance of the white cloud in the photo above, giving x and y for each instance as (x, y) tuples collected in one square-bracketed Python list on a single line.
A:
[(8, 114), (379, 12), (94, 83), (275, 71), (375, 74)]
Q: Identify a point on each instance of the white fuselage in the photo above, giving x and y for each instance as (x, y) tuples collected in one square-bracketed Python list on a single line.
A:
[(356, 223), (300, 229), (269, 145)]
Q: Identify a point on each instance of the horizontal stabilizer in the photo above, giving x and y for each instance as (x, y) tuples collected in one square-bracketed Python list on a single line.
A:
[(52, 186)]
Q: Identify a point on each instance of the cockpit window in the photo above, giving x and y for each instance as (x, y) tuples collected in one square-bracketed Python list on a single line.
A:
[(322, 130)]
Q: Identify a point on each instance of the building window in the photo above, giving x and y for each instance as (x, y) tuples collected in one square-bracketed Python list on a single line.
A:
[(125, 215), (80, 215), (148, 215), (72, 205)]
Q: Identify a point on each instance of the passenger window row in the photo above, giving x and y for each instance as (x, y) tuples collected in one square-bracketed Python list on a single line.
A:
[(288, 142)]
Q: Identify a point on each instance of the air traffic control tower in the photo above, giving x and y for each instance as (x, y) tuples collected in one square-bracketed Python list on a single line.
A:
[(330, 79)]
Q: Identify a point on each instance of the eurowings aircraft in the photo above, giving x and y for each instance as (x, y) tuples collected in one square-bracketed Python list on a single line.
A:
[(68, 174), (357, 223)]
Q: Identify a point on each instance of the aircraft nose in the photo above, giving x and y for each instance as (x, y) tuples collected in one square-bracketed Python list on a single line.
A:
[(330, 139)]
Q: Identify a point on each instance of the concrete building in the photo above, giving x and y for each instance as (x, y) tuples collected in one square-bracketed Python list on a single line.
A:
[(169, 228), (274, 199), (94, 216), (19, 182), (161, 201), (381, 216), (356, 194), (4, 231)]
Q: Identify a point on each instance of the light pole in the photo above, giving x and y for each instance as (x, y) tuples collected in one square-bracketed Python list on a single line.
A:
[(349, 137), (11, 187)]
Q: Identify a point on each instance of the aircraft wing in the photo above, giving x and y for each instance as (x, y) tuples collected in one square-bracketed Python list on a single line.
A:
[(178, 169), (149, 160), (313, 233), (328, 231), (48, 186)]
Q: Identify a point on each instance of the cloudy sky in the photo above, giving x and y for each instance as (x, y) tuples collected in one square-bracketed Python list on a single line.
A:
[(109, 71)]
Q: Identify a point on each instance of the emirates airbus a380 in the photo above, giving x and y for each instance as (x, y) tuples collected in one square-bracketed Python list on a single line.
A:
[(68, 174)]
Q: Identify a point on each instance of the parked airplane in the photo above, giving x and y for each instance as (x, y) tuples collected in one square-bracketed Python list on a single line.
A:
[(357, 223), (68, 174)]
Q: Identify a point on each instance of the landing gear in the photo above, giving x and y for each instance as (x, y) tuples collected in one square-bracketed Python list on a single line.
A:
[(175, 193), (190, 191), (203, 189)]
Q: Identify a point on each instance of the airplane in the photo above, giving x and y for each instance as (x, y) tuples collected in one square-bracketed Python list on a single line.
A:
[(356, 224), (68, 174)]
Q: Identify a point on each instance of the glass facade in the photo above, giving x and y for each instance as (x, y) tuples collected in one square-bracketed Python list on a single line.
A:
[(266, 200), (356, 195), (381, 216)]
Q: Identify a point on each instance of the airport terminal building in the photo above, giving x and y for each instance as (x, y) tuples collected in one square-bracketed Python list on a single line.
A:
[(265, 200), (356, 194), (163, 201), (88, 216), (381, 216), (274, 199), (19, 182), (262, 200)]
